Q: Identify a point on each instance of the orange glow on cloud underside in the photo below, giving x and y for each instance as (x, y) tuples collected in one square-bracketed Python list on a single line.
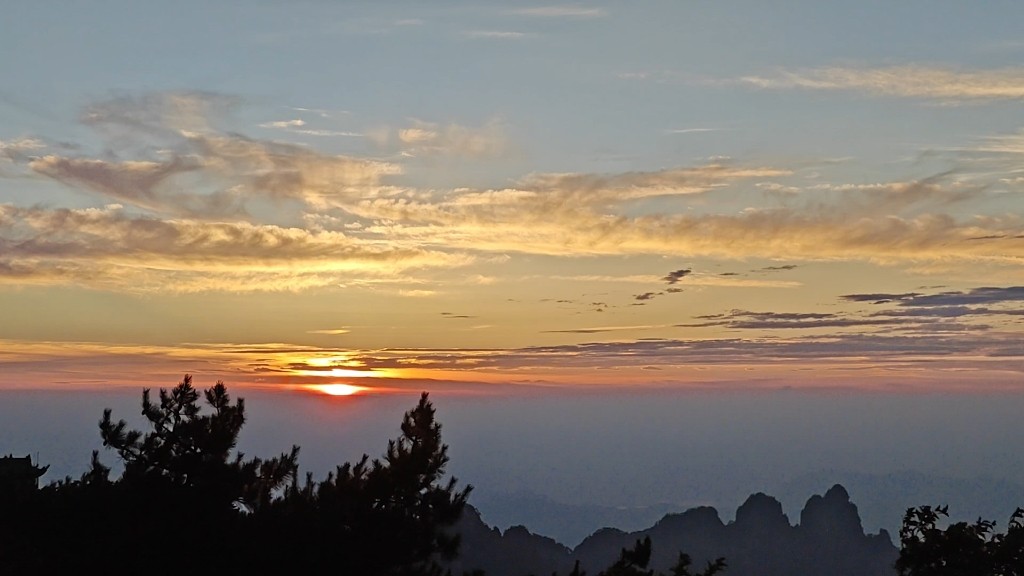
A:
[(41, 365), (344, 373), (333, 366)]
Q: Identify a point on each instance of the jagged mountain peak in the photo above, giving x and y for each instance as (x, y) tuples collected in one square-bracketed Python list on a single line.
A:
[(761, 511), (705, 516), (832, 515)]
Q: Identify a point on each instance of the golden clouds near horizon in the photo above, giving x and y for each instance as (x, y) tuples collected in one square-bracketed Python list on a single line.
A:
[(335, 366)]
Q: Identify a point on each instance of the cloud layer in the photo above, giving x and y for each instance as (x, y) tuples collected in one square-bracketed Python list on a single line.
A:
[(187, 197), (112, 249)]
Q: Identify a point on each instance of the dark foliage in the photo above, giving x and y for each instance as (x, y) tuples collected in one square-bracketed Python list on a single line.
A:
[(682, 567), (960, 549), (391, 512), (633, 562), (186, 504), (191, 453)]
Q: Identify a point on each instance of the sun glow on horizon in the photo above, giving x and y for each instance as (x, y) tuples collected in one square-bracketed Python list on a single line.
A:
[(336, 366), (337, 389), (343, 373)]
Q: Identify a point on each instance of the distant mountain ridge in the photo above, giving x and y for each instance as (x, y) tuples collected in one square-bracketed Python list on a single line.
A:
[(882, 499), (567, 523), (828, 541)]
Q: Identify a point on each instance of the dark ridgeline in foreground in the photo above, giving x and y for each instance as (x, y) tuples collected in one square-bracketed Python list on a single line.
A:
[(828, 541), (188, 503)]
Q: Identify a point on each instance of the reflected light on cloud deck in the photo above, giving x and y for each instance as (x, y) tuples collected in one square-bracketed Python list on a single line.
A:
[(342, 373)]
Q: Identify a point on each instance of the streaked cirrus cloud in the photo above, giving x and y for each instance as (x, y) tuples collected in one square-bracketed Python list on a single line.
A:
[(911, 81), (168, 158), (561, 11), (422, 138), (193, 202), (498, 34), (977, 360), (113, 249)]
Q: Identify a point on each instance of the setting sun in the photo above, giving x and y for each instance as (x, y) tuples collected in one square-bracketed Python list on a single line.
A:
[(338, 389)]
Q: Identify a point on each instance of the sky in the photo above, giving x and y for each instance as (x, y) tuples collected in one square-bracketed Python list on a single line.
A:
[(499, 199), (654, 193)]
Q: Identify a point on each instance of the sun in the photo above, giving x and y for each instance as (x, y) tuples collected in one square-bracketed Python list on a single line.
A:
[(338, 389)]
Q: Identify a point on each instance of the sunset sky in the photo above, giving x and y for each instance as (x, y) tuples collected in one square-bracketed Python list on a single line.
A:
[(639, 252), (484, 197)]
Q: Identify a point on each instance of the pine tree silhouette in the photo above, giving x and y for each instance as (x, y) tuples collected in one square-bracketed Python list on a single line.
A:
[(187, 503)]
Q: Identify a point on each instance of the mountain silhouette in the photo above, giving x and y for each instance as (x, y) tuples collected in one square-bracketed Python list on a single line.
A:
[(567, 523), (516, 552), (761, 541), (883, 498)]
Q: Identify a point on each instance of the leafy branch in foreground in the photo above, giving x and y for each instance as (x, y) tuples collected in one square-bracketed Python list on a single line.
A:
[(960, 549)]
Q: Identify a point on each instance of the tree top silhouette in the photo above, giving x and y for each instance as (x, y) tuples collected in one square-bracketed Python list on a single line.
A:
[(188, 449)]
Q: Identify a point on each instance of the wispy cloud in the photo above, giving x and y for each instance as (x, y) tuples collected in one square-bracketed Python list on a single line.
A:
[(297, 126), (160, 113), (422, 138), (552, 214), (675, 352), (976, 296), (879, 297), (417, 293), (203, 194), (675, 276), (561, 11), (690, 130), (110, 248), (321, 132), (911, 81), (20, 150), (600, 329), (140, 183), (746, 320), (321, 112), (189, 168), (498, 34), (693, 280), (973, 311), (284, 124), (947, 359)]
